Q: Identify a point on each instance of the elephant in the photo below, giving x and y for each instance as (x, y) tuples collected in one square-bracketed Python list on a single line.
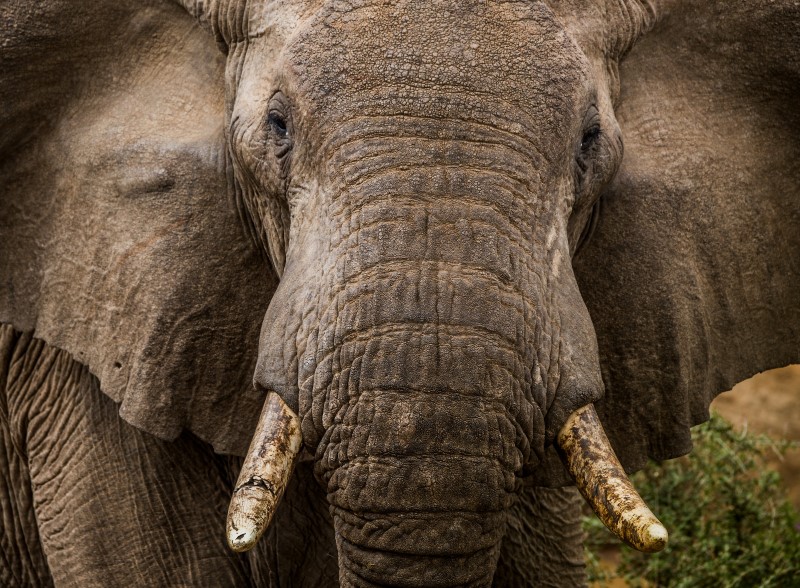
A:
[(385, 263)]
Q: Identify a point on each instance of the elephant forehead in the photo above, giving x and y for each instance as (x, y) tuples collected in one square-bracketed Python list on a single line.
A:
[(441, 59)]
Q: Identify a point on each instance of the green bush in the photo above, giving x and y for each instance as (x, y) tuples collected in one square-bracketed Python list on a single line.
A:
[(729, 520)]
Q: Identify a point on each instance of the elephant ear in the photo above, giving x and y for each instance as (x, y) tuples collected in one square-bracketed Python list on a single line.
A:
[(121, 240), (692, 275)]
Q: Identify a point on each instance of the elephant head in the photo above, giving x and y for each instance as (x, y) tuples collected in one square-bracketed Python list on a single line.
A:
[(431, 203)]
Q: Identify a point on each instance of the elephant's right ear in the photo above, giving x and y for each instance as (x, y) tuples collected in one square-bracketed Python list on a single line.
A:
[(692, 275), (120, 239)]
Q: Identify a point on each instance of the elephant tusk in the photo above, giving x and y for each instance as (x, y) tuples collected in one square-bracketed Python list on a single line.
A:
[(604, 484), (265, 473)]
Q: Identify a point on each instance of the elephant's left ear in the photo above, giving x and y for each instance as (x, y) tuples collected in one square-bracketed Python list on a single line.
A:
[(121, 240), (692, 275)]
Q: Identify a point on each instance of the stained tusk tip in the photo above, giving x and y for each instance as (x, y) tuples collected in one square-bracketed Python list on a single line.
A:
[(240, 539), (655, 537), (243, 531), (249, 515)]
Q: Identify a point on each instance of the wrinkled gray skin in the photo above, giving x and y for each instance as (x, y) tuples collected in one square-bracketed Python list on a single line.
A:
[(414, 193)]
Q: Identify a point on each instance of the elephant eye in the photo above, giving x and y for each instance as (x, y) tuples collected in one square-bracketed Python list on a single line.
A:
[(279, 133), (279, 126), (590, 138), (588, 142)]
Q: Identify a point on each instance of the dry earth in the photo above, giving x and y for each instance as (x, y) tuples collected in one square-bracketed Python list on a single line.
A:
[(769, 403)]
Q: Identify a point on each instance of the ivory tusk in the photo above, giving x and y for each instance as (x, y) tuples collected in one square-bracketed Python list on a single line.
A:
[(604, 484), (265, 473)]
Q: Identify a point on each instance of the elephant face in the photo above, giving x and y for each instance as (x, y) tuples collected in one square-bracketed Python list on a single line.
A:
[(427, 329), (408, 199)]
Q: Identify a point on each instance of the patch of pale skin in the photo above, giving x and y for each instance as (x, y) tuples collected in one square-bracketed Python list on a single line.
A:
[(265, 473), (551, 238), (556, 264), (604, 484)]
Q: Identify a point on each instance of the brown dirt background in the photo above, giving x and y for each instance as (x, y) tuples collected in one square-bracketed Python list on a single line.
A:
[(769, 404)]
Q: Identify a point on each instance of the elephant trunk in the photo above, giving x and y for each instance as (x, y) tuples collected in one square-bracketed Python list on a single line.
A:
[(421, 387), (419, 482), (418, 547)]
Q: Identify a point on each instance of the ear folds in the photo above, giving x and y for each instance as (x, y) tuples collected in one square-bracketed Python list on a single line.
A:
[(122, 243), (692, 276)]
